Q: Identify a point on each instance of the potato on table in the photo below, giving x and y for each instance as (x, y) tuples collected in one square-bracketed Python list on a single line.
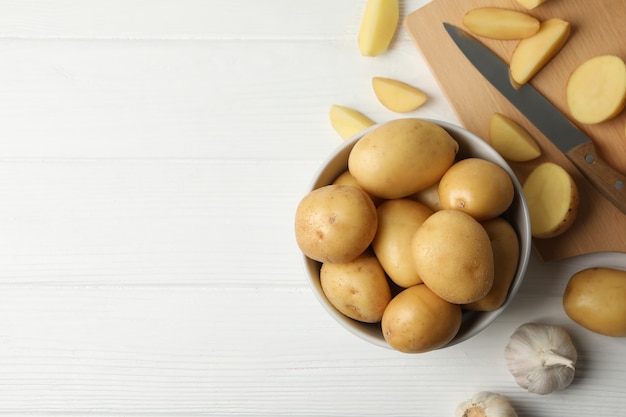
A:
[(595, 298)]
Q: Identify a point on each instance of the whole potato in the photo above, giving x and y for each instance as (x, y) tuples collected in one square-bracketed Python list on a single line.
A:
[(429, 197), (453, 256), (398, 221), (346, 178), (417, 320), (401, 157), (335, 223), (505, 247), (477, 187), (595, 298), (358, 288)]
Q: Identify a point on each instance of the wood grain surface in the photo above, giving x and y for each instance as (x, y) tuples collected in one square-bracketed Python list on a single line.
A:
[(597, 28)]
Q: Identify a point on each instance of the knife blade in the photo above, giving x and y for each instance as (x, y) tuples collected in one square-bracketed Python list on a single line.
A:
[(560, 130)]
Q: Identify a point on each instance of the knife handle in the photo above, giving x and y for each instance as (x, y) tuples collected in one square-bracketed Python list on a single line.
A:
[(611, 183)]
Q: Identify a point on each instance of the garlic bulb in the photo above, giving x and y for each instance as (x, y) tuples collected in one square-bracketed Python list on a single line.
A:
[(486, 404), (541, 357)]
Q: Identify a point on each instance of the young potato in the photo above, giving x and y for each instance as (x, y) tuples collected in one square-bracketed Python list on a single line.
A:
[(358, 289), (596, 90), (402, 157), (397, 222), (335, 223), (477, 187), (595, 298), (499, 23), (453, 256), (417, 320), (429, 197), (348, 122), (345, 178), (552, 198), (396, 95), (533, 53), (505, 247), (511, 140)]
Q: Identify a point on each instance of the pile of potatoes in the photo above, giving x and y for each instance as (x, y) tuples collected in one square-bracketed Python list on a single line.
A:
[(410, 236)]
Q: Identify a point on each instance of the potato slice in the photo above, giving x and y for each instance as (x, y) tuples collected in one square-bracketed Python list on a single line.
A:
[(396, 95), (378, 26), (596, 90), (533, 53), (348, 122), (499, 23), (552, 198), (531, 4), (511, 140)]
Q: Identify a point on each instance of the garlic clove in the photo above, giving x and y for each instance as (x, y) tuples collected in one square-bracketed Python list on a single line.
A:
[(486, 404), (541, 358)]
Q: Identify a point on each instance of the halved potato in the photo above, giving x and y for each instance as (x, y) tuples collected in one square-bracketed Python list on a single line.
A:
[(552, 197), (348, 122), (378, 26), (396, 95), (499, 23), (533, 53), (596, 90), (511, 140)]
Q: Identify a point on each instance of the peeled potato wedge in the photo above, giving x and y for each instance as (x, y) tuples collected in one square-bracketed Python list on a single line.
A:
[(348, 122), (533, 53), (596, 89), (552, 198), (499, 23), (531, 4), (396, 95), (378, 26), (511, 140)]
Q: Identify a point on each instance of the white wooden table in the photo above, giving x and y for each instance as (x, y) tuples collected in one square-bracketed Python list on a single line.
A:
[(152, 154)]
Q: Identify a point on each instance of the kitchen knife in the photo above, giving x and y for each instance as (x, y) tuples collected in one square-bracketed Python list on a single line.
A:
[(572, 141)]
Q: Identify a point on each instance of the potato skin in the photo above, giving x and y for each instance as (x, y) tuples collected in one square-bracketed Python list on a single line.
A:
[(505, 247), (417, 320), (335, 223), (398, 220), (401, 157), (477, 187), (453, 256), (595, 298), (358, 289)]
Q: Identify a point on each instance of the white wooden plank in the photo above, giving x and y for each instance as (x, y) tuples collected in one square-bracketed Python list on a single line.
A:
[(174, 222), (186, 19), (205, 350), (234, 100)]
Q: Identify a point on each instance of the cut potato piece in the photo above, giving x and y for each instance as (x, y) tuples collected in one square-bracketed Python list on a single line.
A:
[(511, 140), (348, 122), (378, 26), (533, 53), (498, 23), (397, 96), (552, 198), (596, 90), (531, 4)]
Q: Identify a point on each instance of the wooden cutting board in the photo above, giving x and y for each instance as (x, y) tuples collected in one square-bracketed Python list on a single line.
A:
[(598, 27)]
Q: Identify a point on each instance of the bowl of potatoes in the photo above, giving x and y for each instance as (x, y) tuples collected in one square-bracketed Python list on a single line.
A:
[(415, 234)]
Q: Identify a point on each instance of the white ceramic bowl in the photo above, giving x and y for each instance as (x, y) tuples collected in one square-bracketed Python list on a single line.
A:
[(470, 145)]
